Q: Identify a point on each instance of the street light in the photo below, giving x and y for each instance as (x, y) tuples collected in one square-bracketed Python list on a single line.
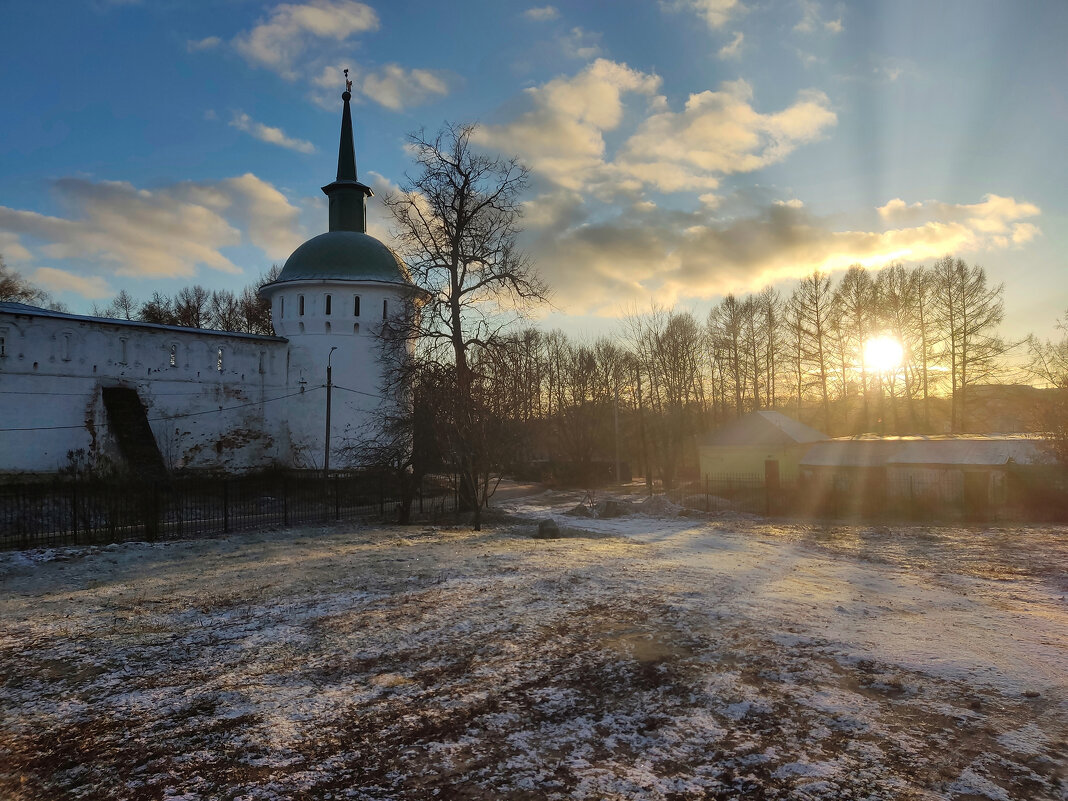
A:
[(329, 386)]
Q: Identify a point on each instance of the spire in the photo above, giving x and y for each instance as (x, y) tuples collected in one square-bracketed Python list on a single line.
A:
[(348, 197), (346, 154)]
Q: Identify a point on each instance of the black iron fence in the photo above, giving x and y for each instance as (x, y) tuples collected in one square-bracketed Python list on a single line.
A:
[(83, 511)]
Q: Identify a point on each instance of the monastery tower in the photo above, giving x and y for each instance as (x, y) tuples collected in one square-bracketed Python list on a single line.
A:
[(330, 298)]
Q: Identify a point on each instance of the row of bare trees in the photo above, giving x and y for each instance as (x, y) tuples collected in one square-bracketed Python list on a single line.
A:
[(196, 307), (668, 376), (808, 349)]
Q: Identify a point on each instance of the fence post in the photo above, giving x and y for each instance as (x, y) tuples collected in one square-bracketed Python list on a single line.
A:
[(74, 511), (226, 506)]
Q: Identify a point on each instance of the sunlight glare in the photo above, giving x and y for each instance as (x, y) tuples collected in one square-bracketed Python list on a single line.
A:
[(883, 354)]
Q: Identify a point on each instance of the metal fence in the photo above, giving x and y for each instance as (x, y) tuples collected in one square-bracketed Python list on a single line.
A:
[(79, 511)]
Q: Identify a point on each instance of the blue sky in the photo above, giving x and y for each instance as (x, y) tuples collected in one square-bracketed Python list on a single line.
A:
[(679, 150)]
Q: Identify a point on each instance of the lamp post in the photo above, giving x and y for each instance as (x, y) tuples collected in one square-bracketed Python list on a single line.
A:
[(329, 386)]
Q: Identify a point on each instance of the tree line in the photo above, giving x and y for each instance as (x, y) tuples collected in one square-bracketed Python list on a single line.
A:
[(194, 306)]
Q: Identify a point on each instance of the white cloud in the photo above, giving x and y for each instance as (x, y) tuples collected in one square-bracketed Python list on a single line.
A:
[(92, 287), (396, 88), (542, 13), (719, 133), (812, 19), (11, 248), (561, 136), (207, 43), (266, 133), (664, 255), (168, 231), (734, 48), (581, 44), (303, 41), (281, 42), (715, 13)]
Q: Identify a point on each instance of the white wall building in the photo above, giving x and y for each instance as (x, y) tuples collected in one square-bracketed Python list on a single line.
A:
[(212, 399)]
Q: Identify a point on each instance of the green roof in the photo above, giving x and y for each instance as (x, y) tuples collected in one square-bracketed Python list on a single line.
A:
[(345, 255)]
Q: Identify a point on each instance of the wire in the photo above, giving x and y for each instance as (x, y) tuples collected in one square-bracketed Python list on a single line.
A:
[(180, 416), (358, 392)]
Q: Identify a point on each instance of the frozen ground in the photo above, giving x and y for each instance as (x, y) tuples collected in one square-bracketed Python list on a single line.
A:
[(637, 657)]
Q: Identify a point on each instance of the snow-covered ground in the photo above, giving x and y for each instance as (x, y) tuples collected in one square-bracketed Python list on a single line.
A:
[(635, 657)]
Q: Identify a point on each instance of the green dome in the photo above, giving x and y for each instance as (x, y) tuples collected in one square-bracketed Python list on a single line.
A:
[(344, 255)]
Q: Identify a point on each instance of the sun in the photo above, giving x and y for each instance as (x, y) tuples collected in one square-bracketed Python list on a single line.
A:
[(883, 354)]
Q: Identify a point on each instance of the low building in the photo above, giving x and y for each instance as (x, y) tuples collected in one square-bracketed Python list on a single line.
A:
[(764, 443), (921, 476)]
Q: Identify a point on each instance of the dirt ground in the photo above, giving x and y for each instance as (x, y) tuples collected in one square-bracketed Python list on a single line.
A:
[(633, 658)]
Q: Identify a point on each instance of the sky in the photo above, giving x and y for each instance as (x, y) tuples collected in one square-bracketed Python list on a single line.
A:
[(679, 150)]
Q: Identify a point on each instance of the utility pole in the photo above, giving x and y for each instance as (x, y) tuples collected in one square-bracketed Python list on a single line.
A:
[(329, 386)]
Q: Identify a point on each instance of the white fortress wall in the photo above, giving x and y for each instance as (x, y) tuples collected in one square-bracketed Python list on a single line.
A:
[(53, 367)]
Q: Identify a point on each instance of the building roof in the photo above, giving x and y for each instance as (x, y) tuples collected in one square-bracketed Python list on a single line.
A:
[(346, 252), (764, 428), (969, 449), (344, 255), (25, 310)]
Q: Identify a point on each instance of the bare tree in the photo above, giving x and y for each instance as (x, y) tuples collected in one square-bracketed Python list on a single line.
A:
[(122, 307), (724, 330), (814, 300), (968, 312), (856, 301), (1048, 364), (158, 309), (191, 306), (456, 224), (15, 288)]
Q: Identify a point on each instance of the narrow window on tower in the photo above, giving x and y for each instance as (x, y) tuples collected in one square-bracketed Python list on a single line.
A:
[(122, 355), (282, 306), (300, 303), (174, 355), (356, 306), (385, 308), (218, 360), (66, 347), (328, 304)]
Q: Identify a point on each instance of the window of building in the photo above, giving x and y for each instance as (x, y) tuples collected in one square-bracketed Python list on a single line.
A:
[(263, 359), (122, 351), (66, 347), (356, 306), (282, 306), (3, 343), (385, 308), (300, 303), (174, 355), (218, 360), (327, 305)]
